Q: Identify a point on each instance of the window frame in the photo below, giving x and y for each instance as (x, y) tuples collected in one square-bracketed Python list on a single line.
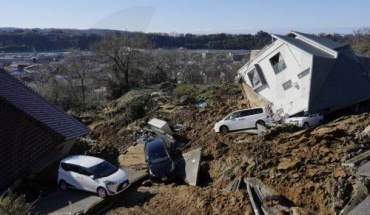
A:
[(304, 73), (280, 64), (256, 71), (287, 85)]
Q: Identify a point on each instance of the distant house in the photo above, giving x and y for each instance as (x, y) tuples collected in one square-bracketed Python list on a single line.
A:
[(302, 73), (33, 132)]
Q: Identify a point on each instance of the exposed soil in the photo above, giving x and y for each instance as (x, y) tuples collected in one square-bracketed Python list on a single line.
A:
[(303, 166)]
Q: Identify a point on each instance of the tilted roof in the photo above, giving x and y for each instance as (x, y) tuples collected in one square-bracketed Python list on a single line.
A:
[(303, 46), (320, 40), (337, 82), (37, 108)]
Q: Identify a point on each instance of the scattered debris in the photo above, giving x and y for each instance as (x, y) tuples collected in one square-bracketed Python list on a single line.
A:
[(234, 185), (356, 160), (201, 105), (160, 125), (264, 200), (142, 135)]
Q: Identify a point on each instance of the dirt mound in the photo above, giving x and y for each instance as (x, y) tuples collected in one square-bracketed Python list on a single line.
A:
[(303, 166), (183, 200)]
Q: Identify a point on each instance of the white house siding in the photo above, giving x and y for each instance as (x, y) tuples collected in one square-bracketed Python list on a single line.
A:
[(294, 99)]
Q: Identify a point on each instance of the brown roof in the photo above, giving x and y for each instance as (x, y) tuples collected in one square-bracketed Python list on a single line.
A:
[(33, 105)]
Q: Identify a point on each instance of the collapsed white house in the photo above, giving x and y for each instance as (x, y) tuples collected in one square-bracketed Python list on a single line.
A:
[(304, 73)]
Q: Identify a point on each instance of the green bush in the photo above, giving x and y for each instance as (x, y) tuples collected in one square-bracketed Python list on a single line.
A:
[(11, 204), (182, 90)]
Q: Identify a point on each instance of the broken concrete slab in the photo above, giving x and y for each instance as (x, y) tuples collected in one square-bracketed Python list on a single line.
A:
[(261, 129), (363, 170), (356, 160), (366, 131), (188, 165), (359, 196), (255, 197), (362, 208), (252, 131), (160, 125), (258, 193)]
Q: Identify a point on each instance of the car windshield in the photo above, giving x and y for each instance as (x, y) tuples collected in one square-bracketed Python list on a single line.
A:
[(158, 156), (103, 169)]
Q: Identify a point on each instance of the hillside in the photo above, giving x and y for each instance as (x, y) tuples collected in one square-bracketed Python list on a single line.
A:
[(304, 166)]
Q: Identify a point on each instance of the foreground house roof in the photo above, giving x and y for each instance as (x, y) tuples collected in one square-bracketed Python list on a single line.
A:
[(34, 106)]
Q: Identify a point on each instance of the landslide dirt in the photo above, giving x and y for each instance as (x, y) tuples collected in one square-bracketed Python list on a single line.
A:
[(304, 166)]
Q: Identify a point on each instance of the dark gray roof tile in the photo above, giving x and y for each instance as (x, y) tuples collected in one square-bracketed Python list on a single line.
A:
[(32, 104)]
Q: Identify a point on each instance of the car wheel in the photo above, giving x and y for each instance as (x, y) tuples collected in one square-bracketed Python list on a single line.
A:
[(63, 185), (306, 125), (224, 129), (102, 193), (260, 122)]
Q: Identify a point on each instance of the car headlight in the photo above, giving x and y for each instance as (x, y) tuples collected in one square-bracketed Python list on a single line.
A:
[(109, 182)]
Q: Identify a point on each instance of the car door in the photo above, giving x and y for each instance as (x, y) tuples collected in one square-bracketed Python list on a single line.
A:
[(74, 177), (248, 117), (236, 121), (87, 182)]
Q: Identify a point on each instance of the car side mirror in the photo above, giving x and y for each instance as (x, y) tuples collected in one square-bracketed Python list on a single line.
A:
[(92, 177)]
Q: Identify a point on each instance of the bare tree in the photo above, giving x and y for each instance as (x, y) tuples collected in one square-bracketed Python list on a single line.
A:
[(124, 51)]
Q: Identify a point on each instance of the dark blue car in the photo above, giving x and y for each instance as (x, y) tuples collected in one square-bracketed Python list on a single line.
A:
[(161, 167)]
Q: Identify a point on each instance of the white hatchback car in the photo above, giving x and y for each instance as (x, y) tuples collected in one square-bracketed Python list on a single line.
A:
[(243, 119), (306, 121), (91, 174)]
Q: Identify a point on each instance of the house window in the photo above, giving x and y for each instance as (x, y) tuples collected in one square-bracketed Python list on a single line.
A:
[(287, 85), (277, 63), (256, 77), (304, 73)]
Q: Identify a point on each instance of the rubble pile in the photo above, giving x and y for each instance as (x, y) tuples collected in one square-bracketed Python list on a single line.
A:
[(304, 166)]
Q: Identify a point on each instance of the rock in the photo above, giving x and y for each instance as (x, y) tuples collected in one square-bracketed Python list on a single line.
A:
[(339, 172), (201, 204), (287, 165), (325, 150), (147, 183), (298, 211)]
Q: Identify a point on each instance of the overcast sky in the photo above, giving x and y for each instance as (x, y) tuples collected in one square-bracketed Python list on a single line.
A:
[(189, 16)]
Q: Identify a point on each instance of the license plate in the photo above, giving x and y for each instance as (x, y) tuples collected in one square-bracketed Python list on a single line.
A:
[(164, 178)]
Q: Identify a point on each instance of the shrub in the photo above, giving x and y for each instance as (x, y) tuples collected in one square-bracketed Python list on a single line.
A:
[(11, 204)]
